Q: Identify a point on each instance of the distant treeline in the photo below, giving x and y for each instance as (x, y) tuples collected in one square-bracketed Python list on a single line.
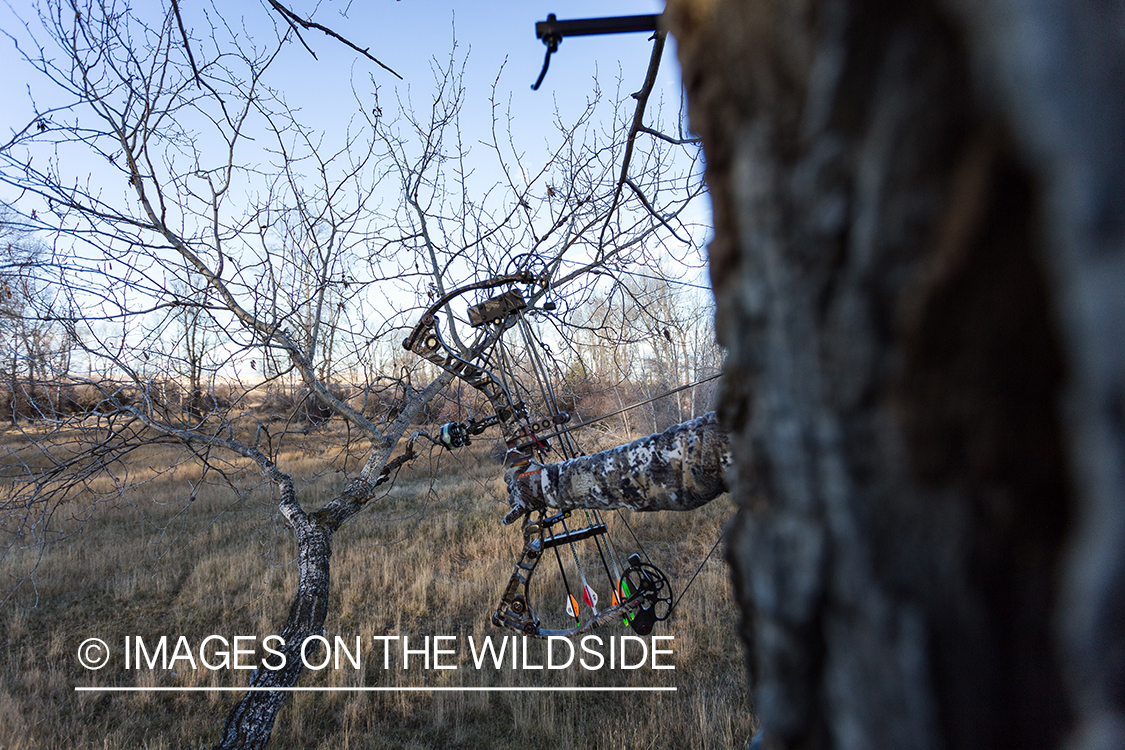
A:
[(30, 401)]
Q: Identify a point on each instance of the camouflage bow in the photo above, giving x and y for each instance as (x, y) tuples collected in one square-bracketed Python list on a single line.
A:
[(641, 594)]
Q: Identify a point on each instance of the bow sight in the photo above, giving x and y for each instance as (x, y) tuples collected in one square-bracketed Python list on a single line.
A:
[(641, 595)]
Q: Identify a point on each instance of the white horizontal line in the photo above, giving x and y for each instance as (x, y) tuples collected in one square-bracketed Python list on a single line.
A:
[(82, 689)]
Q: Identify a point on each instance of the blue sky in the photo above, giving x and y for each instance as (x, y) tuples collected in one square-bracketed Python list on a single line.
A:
[(406, 35)]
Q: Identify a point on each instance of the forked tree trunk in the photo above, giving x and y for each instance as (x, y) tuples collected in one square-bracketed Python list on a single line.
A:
[(250, 722), (919, 265)]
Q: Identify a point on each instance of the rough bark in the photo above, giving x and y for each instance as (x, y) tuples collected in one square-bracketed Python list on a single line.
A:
[(918, 263), (250, 722)]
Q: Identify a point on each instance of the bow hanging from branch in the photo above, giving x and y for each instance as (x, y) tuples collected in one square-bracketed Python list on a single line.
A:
[(640, 593)]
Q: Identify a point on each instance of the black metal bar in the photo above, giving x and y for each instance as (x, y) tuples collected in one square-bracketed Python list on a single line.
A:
[(574, 535), (552, 28)]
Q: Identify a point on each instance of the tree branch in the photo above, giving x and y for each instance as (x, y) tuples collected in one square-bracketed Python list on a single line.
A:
[(294, 20)]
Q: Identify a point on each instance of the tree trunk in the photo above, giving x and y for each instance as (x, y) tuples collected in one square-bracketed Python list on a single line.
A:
[(250, 722), (14, 410), (918, 262)]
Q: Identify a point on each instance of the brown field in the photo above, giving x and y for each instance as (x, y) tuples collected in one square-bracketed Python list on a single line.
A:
[(430, 558)]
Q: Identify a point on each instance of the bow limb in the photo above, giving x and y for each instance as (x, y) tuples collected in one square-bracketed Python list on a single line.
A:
[(649, 599), (494, 317), (428, 316), (426, 341)]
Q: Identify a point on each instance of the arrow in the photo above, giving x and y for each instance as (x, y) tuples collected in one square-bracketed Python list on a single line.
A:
[(572, 608), (591, 597)]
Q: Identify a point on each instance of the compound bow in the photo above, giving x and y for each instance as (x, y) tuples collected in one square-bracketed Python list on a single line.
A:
[(641, 594)]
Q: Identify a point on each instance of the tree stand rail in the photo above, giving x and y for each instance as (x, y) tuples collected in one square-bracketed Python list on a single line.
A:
[(553, 30)]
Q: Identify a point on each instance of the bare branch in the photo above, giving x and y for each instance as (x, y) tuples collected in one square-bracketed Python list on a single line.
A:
[(668, 138), (294, 20), (638, 121)]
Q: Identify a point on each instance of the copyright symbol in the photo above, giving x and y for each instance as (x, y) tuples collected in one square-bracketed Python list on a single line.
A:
[(93, 653)]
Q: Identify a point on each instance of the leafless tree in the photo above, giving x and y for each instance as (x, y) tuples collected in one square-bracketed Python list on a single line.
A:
[(35, 348), (646, 336), (217, 214)]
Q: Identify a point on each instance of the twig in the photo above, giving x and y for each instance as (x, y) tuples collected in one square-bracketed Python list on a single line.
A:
[(294, 20), (638, 122), (668, 138)]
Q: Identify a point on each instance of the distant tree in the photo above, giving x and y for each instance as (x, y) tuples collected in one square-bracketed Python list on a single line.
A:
[(36, 351), (646, 336)]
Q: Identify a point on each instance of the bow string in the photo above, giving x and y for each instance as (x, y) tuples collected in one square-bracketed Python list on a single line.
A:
[(640, 593)]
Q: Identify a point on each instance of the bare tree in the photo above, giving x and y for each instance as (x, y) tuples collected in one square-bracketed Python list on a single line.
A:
[(36, 351), (221, 215), (645, 337)]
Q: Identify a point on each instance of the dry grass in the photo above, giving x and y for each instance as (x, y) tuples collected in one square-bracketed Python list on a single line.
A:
[(429, 559)]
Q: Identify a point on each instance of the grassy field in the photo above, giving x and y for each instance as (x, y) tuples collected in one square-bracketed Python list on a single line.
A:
[(187, 554)]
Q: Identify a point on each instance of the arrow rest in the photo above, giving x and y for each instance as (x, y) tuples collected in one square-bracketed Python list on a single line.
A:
[(641, 595)]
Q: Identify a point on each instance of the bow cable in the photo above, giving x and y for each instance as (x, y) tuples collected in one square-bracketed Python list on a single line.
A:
[(569, 450), (644, 590), (615, 412)]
